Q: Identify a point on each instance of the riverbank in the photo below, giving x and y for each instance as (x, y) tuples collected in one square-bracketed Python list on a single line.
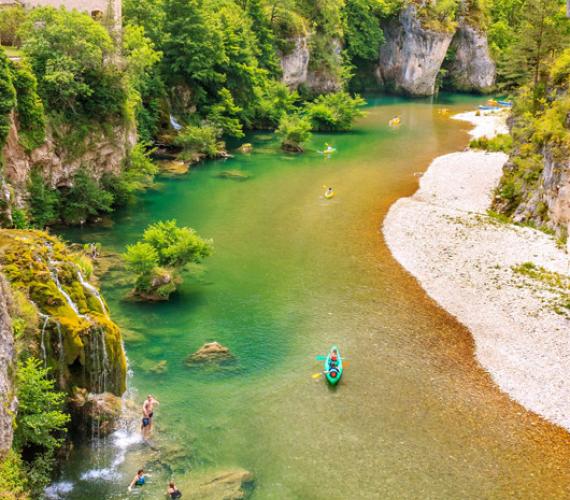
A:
[(508, 284)]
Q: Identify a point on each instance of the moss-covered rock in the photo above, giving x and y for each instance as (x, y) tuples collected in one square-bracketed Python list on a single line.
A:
[(63, 318)]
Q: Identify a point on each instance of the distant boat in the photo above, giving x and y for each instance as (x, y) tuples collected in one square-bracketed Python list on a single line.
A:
[(506, 104), (489, 108)]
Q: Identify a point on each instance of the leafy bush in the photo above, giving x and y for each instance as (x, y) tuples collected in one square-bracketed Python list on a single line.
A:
[(502, 142), (334, 112), (44, 201), (294, 131), (13, 482), (84, 199), (200, 140), (31, 117), (70, 54), (20, 219), (40, 422), (10, 22), (7, 97), (164, 251), (137, 174), (560, 71)]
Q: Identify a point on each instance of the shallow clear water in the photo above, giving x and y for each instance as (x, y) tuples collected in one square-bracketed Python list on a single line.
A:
[(413, 417)]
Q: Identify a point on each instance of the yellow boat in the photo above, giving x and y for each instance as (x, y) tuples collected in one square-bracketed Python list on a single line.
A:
[(394, 122), (329, 195)]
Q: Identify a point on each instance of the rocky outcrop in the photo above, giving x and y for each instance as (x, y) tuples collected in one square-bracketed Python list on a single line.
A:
[(411, 57), (472, 69), (64, 320), (295, 64), (209, 352), (7, 356), (101, 150), (323, 80), (546, 203)]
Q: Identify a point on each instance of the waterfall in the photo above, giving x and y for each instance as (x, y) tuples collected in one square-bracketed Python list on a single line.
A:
[(61, 355), (175, 125), (92, 290), (43, 337), (68, 299)]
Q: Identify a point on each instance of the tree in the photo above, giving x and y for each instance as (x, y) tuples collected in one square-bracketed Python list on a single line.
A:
[(261, 26), (363, 35), (44, 201), (193, 47), (334, 112), (10, 21), (7, 97), (70, 55), (157, 260), (294, 130), (542, 33)]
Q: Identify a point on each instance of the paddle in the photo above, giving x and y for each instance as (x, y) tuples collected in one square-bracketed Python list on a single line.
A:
[(317, 375)]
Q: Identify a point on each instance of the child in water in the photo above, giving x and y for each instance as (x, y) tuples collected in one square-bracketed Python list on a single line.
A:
[(138, 480), (172, 491)]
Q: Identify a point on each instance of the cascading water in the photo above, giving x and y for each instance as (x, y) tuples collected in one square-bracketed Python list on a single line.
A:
[(92, 290), (68, 299), (43, 337)]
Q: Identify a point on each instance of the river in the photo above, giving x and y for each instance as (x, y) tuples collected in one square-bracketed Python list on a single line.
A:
[(414, 415)]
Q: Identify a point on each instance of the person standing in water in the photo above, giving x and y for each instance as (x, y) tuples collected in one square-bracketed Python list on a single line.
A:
[(172, 491), (148, 414), (138, 480)]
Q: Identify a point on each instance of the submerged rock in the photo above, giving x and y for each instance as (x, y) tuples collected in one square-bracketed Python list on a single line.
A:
[(233, 484), (210, 352), (246, 148), (235, 175)]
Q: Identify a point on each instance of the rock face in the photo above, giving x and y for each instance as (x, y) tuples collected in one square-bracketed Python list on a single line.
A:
[(102, 152), (7, 392), (472, 68), (547, 204), (411, 56), (295, 64), (66, 322)]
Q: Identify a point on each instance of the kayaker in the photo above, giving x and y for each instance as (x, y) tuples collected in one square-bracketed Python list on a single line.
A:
[(334, 359), (329, 148), (138, 480), (172, 491), (329, 193)]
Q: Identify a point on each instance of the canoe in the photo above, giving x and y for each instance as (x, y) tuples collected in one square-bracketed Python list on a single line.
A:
[(507, 104), (328, 196), (333, 374), (394, 122), (489, 108), (327, 151)]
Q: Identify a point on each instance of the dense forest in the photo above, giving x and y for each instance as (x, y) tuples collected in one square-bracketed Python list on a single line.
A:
[(191, 74)]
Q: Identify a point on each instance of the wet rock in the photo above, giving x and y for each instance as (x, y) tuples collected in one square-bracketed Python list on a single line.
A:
[(245, 148), (209, 352), (7, 357), (102, 411), (174, 167)]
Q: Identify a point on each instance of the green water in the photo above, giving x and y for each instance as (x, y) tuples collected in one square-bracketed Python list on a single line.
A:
[(413, 417)]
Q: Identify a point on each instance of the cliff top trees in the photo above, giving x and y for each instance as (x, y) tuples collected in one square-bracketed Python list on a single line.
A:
[(69, 53)]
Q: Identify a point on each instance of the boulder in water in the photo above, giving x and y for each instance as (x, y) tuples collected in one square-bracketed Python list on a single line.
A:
[(174, 167), (245, 148), (210, 352), (234, 175), (96, 411)]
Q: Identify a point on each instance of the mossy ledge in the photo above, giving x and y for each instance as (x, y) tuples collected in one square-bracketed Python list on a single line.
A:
[(60, 316)]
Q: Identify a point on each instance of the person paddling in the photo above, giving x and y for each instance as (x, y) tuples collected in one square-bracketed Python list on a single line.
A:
[(172, 491), (138, 480), (329, 193)]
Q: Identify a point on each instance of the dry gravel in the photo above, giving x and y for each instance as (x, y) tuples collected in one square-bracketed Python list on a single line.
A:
[(464, 259)]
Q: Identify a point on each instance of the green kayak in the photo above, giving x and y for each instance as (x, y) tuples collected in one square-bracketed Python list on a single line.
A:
[(333, 367)]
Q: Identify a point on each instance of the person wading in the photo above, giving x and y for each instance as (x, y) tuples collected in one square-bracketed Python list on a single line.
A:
[(148, 414)]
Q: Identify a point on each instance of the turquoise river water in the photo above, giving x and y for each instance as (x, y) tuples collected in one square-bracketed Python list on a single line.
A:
[(414, 415)]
